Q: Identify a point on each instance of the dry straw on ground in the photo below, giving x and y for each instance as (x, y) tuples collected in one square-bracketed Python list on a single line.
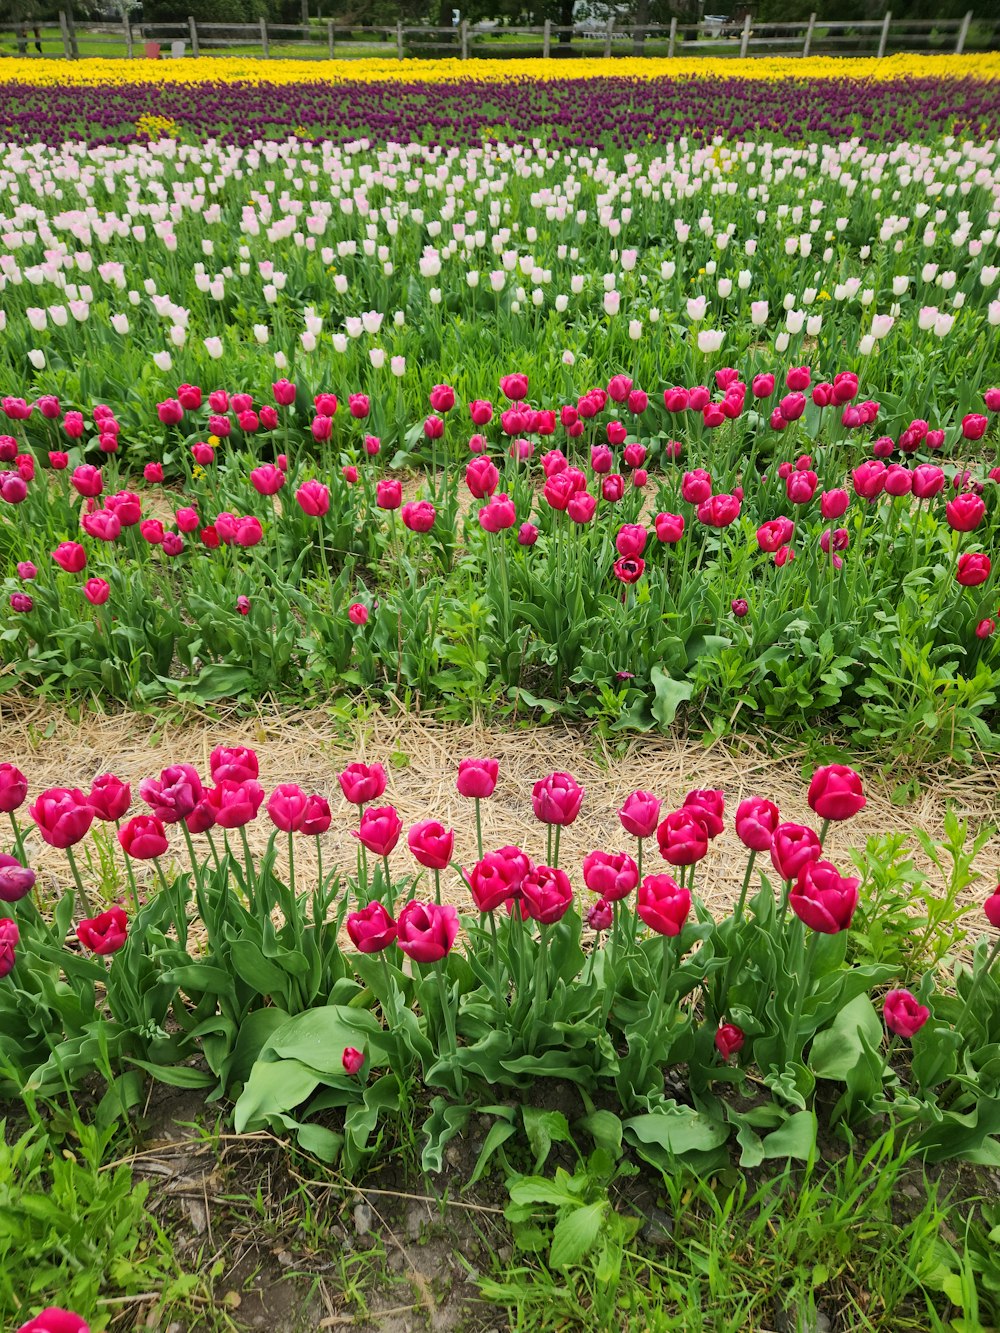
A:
[(421, 758)]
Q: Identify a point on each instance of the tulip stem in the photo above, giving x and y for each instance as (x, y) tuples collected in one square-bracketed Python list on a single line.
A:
[(18, 839), (133, 887), (291, 863), (449, 1024), (540, 988), (191, 850), (498, 979), (437, 887), (556, 851), (79, 882), (248, 861), (786, 888), (977, 982), (388, 885), (805, 954), (666, 960), (635, 910), (215, 851), (180, 913), (822, 832), (746, 884), (479, 829)]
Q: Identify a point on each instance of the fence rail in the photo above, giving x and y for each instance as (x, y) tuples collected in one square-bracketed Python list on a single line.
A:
[(321, 40)]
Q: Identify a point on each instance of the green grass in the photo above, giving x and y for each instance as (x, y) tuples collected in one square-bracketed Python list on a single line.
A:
[(499, 43), (868, 1241), (76, 1234)]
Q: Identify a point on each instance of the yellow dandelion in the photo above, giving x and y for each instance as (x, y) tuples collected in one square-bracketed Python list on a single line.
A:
[(213, 440)]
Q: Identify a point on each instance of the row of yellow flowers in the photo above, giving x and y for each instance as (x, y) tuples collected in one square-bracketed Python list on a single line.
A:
[(227, 69)]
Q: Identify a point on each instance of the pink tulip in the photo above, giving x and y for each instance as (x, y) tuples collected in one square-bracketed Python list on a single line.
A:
[(477, 778), (823, 898), (143, 838), (371, 929), (663, 905), (546, 894), (904, 1015), (756, 822), (611, 875), (313, 498), (288, 807), (426, 931), (835, 792), (362, 783), (682, 837), (792, 847), (431, 844), (640, 814), (352, 1061), (557, 799), (109, 797), (380, 829), (235, 803), (63, 816)]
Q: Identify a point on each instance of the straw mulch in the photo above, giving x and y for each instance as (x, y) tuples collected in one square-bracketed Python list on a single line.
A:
[(421, 759)]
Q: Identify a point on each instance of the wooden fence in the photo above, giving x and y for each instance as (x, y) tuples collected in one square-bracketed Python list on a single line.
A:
[(317, 40)]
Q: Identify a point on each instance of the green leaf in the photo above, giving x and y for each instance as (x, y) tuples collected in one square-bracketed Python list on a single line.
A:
[(837, 1049), (499, 1133), (322, 1143), (796, 1137), (255, 1031), (257, 971), (273, 1086), (670, 694), (536, 1189), (444, 1122), (605, 1128), (317, 1037), (544, 1128), (575, 1234), (177, 1076), (676, 1129)]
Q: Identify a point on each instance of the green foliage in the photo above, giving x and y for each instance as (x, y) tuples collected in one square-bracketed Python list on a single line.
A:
[(73, 1234), (723, 1253)]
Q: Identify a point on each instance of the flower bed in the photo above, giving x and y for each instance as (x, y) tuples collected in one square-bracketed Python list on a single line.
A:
[(243, 966), (802, 532), (454, 102)]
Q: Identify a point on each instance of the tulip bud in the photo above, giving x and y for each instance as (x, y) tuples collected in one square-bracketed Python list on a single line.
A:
[(729, 1040)]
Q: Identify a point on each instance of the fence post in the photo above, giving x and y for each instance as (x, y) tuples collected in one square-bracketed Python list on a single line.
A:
[(329, 37), (607, 38), (128, 36), (64, 29), (885, 34), (464, 34), (809, 35), (746, 36), (194, 36), (74, 49), (963, 32), (547, 39), (673, 36), (263, 38), (399, 39)]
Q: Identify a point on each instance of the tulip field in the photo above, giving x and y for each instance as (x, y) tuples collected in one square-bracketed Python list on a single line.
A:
[(653, 416)]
